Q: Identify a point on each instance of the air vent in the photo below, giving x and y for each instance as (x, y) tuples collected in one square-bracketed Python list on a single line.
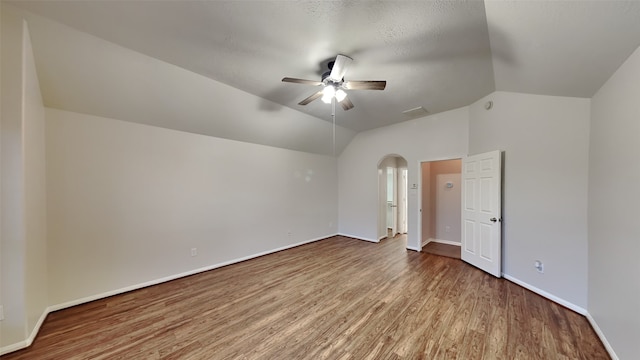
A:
[(416, 112)]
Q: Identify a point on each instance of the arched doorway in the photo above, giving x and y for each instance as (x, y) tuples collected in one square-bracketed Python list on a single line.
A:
[(392, 196)]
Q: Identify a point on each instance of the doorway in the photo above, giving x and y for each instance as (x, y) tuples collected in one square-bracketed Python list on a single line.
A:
[(392, 196), (441, 215)]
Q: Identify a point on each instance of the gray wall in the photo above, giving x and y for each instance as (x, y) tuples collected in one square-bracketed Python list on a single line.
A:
[(614, 228), (545, 139)]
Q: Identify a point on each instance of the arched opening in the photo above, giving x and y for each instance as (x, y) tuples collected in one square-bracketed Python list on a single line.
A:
[(392, 196)]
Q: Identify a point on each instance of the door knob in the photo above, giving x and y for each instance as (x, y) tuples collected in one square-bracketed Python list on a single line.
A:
[(493, 219)]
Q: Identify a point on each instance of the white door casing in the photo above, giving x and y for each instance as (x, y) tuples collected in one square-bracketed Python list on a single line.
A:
[(482, 212), (392, 197), (382, 203), (402, 206)]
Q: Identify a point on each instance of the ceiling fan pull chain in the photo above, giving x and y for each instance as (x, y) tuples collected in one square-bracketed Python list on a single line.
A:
[(333, 117)]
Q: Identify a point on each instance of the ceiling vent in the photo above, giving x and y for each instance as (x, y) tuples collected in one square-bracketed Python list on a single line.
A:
[(416, 112)]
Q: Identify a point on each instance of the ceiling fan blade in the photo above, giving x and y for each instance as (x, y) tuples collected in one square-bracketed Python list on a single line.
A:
[(311, 98), (301, 81), (346, 104), (365, 85), (340, 66)]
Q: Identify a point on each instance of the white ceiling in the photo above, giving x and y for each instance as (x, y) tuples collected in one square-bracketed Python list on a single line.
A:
[(439, 55), (562, 48)]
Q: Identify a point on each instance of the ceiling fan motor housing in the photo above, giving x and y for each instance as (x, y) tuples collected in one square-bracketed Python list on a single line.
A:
[(333, 84), (325, 76)]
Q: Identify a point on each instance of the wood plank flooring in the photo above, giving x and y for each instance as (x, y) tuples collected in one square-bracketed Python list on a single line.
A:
[(435, 248), (338, 298)]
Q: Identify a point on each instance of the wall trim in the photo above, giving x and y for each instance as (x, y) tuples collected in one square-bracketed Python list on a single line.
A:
[(440, 241), (600, 334), (27, 342), (14, 347), (409, 247), (178, 276), (360, 238), (547, 295)]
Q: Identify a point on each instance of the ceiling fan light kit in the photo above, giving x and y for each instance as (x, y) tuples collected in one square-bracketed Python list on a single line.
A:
[(334, 85), (329, 92)]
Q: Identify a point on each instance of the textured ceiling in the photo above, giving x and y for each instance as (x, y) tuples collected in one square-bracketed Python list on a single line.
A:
[(563, 48), (439, 55)]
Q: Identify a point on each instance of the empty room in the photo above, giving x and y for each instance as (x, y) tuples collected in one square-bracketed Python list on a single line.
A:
[(265, 179)]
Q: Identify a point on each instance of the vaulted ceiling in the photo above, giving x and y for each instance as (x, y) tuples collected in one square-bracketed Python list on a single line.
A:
[(439, 55)]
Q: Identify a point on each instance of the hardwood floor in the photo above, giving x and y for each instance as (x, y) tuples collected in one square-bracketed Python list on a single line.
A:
[(435, 248), (338, 298)]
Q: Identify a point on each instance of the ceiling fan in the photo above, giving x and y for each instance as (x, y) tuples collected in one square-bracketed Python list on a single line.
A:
[(334, 85)]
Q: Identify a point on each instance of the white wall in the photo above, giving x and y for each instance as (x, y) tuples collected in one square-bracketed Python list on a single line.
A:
[(545, 140), (127, 202), (436, 137), (448, 210), (13, 327), (130, 200), (614, 229), (444, 207), (36, 297), (23, 246)]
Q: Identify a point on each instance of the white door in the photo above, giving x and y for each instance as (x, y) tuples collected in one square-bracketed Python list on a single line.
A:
[(482, 212)]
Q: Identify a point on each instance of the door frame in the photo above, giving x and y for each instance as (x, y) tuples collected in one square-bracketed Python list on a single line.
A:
[(421, 189), (382, 183), (403, 199), (394, 200)]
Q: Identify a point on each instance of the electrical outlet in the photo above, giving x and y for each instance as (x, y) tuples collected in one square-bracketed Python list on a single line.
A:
[(447, 228), (194, 252), (1, 312), (539, 266), (289, 233)]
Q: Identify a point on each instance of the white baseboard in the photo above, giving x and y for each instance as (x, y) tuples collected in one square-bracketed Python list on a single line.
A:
[(27, 342), (413, 248), (178, 276), (14, 347), (448, 242), (32, 336), (361, 238), (571, 306), (547, 295), (440, 241), (600, 334)]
